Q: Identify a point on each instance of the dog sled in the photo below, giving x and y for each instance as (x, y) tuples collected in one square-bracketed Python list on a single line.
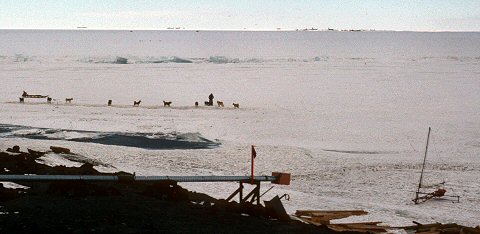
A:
[(26, 95)]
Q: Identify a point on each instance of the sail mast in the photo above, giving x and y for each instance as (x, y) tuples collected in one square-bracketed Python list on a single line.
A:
[(423, 167)]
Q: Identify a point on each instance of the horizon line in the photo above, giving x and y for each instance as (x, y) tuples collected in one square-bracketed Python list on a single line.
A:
[(82, 28)]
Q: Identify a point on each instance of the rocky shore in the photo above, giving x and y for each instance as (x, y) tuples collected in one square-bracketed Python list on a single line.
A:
[(121, 206), (131, 206)]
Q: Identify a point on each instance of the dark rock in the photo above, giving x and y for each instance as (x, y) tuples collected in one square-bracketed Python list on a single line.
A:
[(9, 193), (35, 154), (14, 149), (80, 189), (167, 190)]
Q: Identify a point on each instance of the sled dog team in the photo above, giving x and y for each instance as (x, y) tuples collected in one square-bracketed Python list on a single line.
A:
[(135, 103), (207, 103)]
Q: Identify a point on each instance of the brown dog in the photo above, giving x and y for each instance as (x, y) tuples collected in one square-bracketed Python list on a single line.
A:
[(137, 103), (220, 104), (236, 105), (69, 100)]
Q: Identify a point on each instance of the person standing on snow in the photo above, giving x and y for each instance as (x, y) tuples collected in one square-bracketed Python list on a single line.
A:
[(210, 99)]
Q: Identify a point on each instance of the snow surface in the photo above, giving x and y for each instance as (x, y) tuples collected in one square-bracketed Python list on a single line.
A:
[(350, 127)]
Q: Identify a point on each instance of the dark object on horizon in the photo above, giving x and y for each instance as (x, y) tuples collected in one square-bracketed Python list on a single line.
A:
[(220, 104), (109, 102), (236, 105), (14, 149), (166, 103), (59, 150), (69, 100), (137, 103), (22, 100), (121, 60), (196, 104), (49, 99)]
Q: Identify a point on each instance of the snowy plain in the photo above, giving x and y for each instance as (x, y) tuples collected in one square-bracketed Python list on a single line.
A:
[(349, 123)]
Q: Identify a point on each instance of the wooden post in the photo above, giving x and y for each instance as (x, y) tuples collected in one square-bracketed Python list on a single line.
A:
[(253, 159)]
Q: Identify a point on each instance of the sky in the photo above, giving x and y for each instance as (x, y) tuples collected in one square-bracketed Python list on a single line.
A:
[(400, 15)]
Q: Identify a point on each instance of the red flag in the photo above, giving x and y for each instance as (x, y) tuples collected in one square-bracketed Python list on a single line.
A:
[(254, 153)]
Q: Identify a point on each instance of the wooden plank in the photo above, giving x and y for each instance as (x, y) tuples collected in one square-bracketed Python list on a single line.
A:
[(59, 150), (307, 220), (319, 218), (324, 217), (329, 212), (370, 227), (441, 228), (430, 232)]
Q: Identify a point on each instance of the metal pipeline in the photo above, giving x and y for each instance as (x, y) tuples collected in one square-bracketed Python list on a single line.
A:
[(204, 178), (135, 178)]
